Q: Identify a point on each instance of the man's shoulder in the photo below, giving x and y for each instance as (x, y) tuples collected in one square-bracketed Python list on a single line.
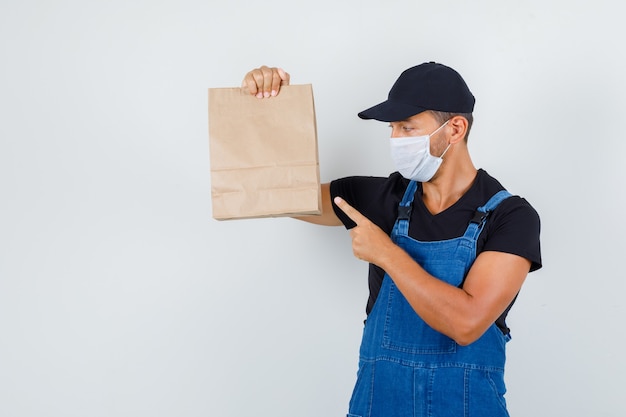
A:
[(513, 227)]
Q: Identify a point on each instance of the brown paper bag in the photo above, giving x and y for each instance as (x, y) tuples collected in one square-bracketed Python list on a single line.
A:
[(263, 153)]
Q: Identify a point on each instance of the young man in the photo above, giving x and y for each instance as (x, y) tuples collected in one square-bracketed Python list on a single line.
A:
[(448, 247)]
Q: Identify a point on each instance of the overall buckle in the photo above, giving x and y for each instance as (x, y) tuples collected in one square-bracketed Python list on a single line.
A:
[(479, 217), (404, 212)]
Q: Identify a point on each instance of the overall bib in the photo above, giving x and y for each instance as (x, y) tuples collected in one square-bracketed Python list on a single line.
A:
[(408, 369)]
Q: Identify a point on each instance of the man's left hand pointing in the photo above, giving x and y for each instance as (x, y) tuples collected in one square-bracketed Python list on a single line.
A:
[(369, 242)]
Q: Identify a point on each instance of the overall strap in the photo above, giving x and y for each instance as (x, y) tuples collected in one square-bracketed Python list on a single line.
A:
[(404, 210), (482, 213)]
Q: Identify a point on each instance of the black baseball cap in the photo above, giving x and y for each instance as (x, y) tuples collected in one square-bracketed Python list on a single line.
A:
[(428, 86)]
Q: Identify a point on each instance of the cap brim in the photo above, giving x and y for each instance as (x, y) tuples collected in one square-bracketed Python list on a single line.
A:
[(389, 111)]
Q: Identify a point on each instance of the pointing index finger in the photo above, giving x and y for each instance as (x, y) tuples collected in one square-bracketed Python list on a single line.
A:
[(350, 211)]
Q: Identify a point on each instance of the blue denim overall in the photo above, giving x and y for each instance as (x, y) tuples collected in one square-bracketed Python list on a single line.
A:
[(408, 369)]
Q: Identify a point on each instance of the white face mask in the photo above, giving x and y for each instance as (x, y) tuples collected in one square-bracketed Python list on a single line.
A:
[(412, 157)]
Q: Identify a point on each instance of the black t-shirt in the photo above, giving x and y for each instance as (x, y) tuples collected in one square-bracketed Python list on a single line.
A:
[(513, 227)]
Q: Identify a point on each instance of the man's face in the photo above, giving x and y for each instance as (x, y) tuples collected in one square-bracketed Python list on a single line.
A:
[(421, 124)]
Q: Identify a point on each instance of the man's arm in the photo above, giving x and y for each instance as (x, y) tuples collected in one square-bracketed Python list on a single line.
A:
[(462, 314), (465, 313), (328, 217)]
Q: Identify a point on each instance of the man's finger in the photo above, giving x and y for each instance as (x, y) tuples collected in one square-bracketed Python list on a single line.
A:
[(249, 83), (350, 211), (284, 76)]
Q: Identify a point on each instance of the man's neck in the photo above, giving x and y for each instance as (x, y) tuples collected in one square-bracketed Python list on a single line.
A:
[(448, 187)]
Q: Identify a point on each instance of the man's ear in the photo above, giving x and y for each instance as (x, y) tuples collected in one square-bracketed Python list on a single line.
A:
[(459, 126)]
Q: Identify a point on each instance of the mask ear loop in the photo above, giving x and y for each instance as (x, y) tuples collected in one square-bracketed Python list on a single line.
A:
[(444, 152), (438, 129)]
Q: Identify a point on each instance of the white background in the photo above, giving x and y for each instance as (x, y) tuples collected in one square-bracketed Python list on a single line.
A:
[(121, 296)]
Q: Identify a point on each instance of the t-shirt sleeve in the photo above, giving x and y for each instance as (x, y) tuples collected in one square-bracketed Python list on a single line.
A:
[(360, 193), (516, 229)]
